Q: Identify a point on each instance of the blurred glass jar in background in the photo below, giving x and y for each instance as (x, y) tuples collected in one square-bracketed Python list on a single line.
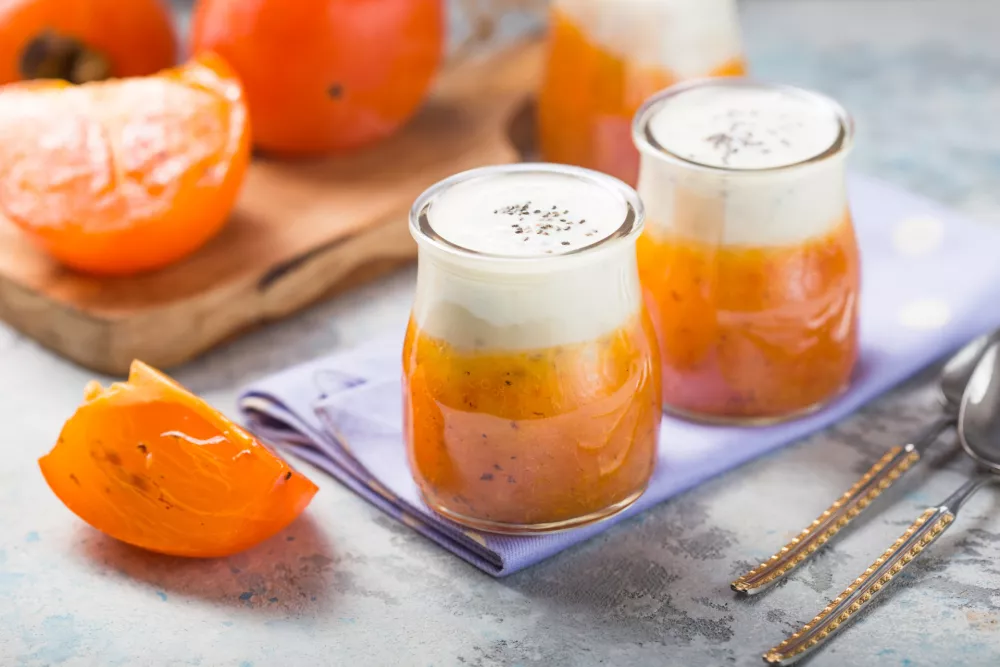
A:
[(748, 261), (531, 376), (606, 57)]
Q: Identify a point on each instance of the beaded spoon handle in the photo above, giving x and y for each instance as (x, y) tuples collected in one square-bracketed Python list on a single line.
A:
[(845, 607), (848, 507)]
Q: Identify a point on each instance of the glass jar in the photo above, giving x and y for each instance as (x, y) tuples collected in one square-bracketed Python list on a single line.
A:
[(748, 261), (606, 57), (530, 368)]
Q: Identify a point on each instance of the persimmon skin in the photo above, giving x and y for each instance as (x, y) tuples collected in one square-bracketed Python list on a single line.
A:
[(136, 36), (124, 176), (325, 76), (152, 465)]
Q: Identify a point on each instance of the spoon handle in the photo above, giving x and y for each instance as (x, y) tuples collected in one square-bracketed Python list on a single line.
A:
[(856, 597), (879, 477)]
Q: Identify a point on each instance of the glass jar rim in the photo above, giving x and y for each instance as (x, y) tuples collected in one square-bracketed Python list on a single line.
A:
[(423, 232), (646, 143)]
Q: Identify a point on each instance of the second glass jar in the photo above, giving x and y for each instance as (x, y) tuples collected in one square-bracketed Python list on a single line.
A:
[(749, 261)]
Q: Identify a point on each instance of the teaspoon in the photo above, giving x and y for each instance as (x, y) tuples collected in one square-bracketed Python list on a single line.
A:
[(886, 471), (979, 435)]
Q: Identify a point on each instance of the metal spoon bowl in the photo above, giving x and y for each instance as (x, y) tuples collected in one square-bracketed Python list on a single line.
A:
[(957, 371), (979, 414)]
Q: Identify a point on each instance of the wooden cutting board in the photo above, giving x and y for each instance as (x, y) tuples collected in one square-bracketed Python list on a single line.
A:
[(300, 232)]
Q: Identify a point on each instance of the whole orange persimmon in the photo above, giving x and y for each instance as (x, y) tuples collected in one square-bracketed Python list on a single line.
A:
[(127, 175), (84, 40), (325, 75)]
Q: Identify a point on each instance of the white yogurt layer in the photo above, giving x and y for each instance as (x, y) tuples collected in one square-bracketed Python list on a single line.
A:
[(744, 126), (740, 131), (500, 292), (690, 38), (526, 214)]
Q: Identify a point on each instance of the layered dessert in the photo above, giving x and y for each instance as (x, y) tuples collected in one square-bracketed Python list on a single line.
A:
[(531, 377), (606, 57), (748, 262)]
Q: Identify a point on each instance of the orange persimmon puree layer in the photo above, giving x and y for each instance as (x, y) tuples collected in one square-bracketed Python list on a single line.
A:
[(749, 332), (532, 437), (589, 96)]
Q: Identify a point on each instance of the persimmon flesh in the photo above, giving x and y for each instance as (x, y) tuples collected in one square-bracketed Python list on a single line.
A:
[(123, 176), (153, 465)]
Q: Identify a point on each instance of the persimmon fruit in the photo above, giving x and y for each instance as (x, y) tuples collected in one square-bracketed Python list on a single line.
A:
[(325, 76), (84, 40), (151, 464), (126, 175)]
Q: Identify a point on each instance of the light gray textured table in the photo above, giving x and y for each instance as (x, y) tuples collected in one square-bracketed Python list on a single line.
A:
[(346, 586)]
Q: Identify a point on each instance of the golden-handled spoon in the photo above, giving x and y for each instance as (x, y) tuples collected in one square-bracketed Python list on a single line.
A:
[(979, 435), (886, 471)]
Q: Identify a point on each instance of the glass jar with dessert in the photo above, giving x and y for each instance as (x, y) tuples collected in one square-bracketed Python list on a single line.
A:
[(606, 57), (531, 373), (748, 260)]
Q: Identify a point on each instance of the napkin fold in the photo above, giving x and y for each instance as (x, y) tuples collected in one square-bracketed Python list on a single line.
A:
[(931, 281)]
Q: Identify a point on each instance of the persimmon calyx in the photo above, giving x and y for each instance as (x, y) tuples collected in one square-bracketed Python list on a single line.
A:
[(51, 55)]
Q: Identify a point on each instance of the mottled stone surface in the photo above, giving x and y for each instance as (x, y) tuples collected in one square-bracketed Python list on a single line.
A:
[(346, 586)]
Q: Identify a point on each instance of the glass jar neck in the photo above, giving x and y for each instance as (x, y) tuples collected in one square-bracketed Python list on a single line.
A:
[(558, 302), (743, 208)]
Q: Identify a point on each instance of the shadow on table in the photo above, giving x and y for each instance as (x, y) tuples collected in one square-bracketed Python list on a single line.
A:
[(292, 572), (643, 581)]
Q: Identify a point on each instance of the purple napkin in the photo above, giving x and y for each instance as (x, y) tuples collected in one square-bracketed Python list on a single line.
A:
[(931, 281)]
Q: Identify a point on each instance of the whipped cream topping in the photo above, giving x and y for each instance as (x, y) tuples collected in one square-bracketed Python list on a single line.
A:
[(761, 186), (738, 126), (689, 38), (481, 285), (526, 214)]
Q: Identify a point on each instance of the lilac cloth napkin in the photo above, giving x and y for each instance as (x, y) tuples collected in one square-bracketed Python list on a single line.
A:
[(931, 281)]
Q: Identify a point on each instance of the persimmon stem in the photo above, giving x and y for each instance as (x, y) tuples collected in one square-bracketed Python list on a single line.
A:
[(53, 56)]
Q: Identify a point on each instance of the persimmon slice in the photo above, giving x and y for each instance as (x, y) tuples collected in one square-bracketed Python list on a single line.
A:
[(153, 465), (127, 175)]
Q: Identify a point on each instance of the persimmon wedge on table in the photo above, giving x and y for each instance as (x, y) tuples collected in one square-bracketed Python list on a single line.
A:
[(84, 40), (126, 175), (151, 464), (324, 76)]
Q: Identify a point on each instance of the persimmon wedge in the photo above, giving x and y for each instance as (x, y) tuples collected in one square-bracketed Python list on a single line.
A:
[(153, 465), (127, 175)]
